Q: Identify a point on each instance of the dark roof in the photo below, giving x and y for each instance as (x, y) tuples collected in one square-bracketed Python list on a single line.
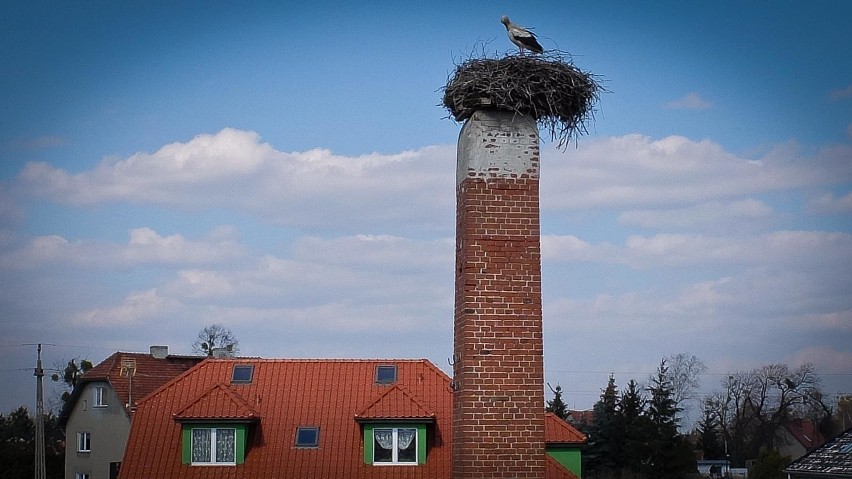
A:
[(831, 460), (151, 373)]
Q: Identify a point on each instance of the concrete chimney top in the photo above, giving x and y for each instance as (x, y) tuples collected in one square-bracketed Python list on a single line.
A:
[(159, 352)]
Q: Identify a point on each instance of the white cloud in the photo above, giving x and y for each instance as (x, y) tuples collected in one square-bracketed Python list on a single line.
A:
[(691, 101), (145, 247), (137, 308), (704, 216), (831, 204), (234, 169), (635, 171)]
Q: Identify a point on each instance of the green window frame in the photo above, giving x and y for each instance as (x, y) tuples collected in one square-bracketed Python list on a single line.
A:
[(216, 444), (399, 444)]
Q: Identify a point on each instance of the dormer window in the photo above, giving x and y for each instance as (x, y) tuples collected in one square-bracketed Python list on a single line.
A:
[(242, 374), (385, 374)]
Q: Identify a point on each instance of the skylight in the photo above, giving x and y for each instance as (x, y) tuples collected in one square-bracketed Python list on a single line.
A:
[(242, 374), (385, 374), (307, 436), (846, 449)]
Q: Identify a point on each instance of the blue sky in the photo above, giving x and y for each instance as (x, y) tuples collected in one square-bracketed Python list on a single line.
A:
[(286, 170)]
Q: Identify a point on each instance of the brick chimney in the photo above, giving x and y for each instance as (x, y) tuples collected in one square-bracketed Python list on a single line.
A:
[(498, 371)]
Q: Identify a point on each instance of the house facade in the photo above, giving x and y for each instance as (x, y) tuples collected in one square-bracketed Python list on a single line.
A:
[(97, 417), (274, 418)]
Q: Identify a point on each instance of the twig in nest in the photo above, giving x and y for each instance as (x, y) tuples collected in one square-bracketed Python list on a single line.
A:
[(558, 95)]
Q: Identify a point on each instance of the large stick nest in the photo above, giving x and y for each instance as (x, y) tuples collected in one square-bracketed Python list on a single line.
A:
[(558, 95)]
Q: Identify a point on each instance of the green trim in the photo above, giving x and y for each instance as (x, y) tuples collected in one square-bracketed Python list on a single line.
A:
[(568, 456), (368, 439), (241, 433)]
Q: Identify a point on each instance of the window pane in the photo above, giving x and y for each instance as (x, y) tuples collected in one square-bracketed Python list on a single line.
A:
[(382, 445), (407, 445), (201, 445), (225, 445), (307, 436), (385, 374), (242, 373)]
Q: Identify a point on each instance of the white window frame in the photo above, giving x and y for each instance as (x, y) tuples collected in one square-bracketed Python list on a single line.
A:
[(100, 397), (84, 441), (81, 475), (213, 459), (394, 449)]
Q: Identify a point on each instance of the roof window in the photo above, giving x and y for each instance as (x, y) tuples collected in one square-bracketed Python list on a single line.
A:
[(385, 374), (242, 374), (307, 436)]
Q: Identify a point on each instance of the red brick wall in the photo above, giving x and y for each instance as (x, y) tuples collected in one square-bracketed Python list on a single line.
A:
[(498, 427)]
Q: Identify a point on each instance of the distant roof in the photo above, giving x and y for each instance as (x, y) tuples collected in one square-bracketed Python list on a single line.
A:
[(805, 433), (150, 374), (831, 460)]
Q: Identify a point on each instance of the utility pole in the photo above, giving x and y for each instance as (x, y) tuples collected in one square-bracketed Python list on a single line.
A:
[(40, 471)]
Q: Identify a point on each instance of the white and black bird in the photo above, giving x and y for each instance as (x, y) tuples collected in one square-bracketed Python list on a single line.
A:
[(521, 37)]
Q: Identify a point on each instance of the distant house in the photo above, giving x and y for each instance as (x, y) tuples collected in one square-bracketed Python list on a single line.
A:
[(799, 437), (274, 418), (96, 418), (832, 460)]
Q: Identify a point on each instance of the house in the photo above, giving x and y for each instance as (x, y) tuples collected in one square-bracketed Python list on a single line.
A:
[(97, 416), (832, 460), (335, 418), (798, 438)]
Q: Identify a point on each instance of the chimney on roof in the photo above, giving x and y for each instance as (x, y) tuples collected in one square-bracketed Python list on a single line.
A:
[(159, 352), (223, 353)]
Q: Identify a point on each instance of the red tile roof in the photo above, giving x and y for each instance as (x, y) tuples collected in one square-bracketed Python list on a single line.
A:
[(218, 402), (557, 431), (396, 403), (334, 395), (555, 470), (805, 433), (151, 373), (287, 394)]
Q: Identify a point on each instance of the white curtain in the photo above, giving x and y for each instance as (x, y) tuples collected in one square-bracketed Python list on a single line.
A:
[(404, 438), (225, 443), (201, 445), (384, 437)]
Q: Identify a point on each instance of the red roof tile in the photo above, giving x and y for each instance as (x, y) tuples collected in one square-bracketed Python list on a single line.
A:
[(395, 403), (557, 431), (218, 402)]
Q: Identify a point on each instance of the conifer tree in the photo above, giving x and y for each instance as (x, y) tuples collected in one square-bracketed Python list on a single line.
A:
[(556, 405), (670, 454)]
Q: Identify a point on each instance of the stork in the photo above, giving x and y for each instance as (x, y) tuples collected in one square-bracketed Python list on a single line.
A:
[(521, 37)]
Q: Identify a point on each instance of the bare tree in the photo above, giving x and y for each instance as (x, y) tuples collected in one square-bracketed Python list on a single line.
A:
[(214, 337), (755, 405)]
